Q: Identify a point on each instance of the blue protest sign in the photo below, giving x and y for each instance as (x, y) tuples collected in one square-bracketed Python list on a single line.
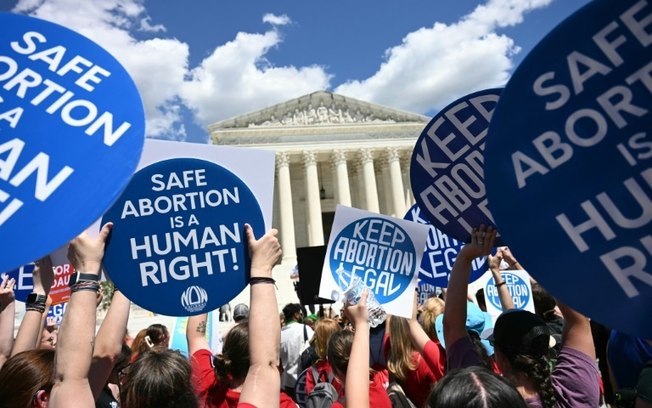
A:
[(384, 252), (55, 314), (59, 291), (446, 169), (440, 254), (568, 163), (72, 126), (518, 285), (178, 246)]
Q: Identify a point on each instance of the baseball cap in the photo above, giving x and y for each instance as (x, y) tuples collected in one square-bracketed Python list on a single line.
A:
[(522, 332), (240, 312), (476, 320)]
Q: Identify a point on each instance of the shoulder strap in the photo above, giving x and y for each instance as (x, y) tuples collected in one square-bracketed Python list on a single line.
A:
[(305, 333), (315, 374)]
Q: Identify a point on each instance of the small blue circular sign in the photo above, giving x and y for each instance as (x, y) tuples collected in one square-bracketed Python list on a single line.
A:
[(377, 250), (178, 246), (516, 286), (568, 163), (440, 254), (72, 126), (446, 171)]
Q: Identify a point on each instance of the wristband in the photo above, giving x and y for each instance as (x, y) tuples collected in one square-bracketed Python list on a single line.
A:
[(35, 303), (82, 277), (262, 279), (500, 284), (85, 285)]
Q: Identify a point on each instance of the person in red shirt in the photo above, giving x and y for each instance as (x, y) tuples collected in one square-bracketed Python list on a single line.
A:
[(246, 374)]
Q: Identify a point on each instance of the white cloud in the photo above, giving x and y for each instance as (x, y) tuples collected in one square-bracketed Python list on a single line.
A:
[(276, 20), (235, 78), (433, 66), (430, 68), (146, 25)]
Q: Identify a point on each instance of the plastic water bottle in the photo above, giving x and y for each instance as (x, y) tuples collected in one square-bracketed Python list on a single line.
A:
[(375, 310)]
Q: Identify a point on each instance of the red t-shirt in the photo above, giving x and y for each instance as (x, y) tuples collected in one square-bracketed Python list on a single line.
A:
[(211, 393), (378, 397), (431, 367)]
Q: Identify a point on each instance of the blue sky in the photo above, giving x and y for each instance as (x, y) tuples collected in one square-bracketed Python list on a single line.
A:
[(196, 62)]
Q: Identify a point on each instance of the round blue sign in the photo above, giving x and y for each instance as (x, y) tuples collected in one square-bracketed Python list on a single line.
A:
[(178, 246), (568, 163), (446, 171), (440, 254), (377, 250), (516, 286), (72, 126)]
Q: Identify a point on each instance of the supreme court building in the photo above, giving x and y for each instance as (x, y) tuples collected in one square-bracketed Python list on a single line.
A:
[(330, 149)]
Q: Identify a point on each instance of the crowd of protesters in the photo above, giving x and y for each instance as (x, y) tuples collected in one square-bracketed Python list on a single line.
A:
[(443, 356)]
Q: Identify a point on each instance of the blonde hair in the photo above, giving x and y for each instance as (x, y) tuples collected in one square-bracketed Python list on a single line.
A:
[(400, 359), (432, 308), (324, 329)]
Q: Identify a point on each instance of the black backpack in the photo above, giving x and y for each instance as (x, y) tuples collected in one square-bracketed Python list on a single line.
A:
[(397, 395), (324, 394)]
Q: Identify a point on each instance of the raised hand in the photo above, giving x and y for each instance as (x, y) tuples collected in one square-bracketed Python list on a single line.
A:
[(265, 252), (86, 253), (6, 291)]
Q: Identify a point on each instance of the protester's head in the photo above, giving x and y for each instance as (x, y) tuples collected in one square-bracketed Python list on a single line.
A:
[(157, 336), (121, 364), (400, 359), (474, 387), (26, 379), (339, 351), (544, 303), (478, 325), (432, 308), (292, 312), (310, 321), (159, 378), (522, 342), (240, 312), (49, 337), (232, 365), (324, 329)]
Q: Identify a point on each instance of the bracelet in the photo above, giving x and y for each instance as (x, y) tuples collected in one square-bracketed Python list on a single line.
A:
[(85, 285), (500, 284), (35, 307), (262, 279)]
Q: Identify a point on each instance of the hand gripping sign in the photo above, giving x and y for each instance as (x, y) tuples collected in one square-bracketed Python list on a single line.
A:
[(446, 168), (384, 252), (177, 246), (440, 254), (518, 285), (71, 132), (568, 163)]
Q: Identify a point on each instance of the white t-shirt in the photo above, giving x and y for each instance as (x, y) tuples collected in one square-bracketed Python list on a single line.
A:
[(292, 345)]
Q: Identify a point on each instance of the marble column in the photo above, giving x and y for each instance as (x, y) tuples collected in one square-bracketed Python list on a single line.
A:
[(343, 190), (407, 187), (396, 182), (285, 205), (369, 176), (314, 222)]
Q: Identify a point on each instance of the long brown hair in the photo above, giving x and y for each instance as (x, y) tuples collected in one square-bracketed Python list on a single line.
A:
[(400, 359), (23, 375), (324, 329), (232, 365), (432, 308), (160, 378)]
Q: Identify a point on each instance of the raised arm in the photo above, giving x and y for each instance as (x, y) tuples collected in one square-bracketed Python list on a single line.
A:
[(356, 385), (7, 316), (262, 385), (31, 327), (77, 334), (196, 334), (108, 343), (577, 331), (482, 239), (506, 300)]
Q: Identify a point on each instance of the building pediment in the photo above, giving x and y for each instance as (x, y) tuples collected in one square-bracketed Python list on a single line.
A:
[(320, 108)]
